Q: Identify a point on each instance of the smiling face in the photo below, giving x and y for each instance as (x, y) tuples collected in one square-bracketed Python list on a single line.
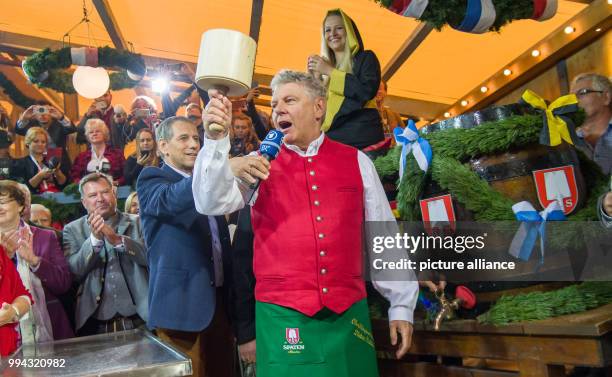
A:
[(182, 149), (99, 195), (297, 114), (335, 33)]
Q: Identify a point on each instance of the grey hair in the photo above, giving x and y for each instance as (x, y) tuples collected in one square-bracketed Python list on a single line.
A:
[(95, 177), (313, 87), (99, 122), (39, 207), (164, 130), (599, 82)]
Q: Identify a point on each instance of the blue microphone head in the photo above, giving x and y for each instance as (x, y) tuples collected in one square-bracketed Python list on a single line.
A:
[(271, 145)]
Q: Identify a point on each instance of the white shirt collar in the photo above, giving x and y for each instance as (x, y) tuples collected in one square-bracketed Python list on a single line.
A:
[(177, 170), (313, 148)]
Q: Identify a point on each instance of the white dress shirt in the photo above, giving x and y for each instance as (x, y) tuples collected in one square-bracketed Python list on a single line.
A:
[(216, 192)]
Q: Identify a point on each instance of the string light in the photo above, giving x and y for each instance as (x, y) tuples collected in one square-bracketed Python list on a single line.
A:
[(447, 114), (507, 72), (569, 29), (484, 89), (535, 53)]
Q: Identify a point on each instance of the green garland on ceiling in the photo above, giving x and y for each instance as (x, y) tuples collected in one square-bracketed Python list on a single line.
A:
[(48, 69), (440, 13), (14, 93)]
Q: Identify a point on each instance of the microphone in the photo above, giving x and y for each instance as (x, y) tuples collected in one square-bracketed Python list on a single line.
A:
[(269, 149)]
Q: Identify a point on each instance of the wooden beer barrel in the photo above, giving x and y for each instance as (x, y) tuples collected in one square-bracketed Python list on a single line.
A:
[(510, 172)]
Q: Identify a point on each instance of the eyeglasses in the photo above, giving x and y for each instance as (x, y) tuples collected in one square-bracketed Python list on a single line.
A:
[(585, 91)]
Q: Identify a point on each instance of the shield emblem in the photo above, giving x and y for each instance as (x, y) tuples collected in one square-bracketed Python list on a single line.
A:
[(292, 334), (557, 184), (438, 214)]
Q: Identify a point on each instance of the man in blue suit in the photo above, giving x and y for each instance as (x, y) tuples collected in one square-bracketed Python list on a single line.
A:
[(186, 255)]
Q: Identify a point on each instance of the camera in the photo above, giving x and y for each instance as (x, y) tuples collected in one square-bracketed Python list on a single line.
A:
[(142, 113), (105, 168), (41, 110), (5, 168), (100, 105)]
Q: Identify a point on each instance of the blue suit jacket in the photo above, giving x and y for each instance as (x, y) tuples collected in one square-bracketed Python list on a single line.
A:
[(181, 279)]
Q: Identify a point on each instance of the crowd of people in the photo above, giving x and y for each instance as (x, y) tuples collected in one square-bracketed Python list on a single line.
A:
[(166, 260)]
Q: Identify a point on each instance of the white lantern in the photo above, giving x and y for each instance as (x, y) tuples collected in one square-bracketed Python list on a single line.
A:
[(90, 82)]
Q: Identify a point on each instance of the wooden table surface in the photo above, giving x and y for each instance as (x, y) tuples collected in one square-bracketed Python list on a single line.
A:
[(539, 348)]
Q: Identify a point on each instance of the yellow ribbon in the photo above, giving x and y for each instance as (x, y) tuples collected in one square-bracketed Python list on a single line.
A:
[(556, 127)]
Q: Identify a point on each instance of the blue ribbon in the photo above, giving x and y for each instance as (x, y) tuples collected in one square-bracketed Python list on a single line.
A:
[(479, 16), (533, 225), (410, 141)]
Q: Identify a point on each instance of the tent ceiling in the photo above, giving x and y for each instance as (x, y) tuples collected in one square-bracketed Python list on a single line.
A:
[(446, 66)]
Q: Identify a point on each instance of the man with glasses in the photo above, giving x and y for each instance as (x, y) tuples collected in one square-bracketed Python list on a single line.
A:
[(594, 94)]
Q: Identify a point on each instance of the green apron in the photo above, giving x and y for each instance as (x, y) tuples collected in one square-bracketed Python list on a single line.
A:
[(290, 343)]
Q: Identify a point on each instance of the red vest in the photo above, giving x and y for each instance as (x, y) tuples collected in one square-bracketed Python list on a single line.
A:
[(308, 221)]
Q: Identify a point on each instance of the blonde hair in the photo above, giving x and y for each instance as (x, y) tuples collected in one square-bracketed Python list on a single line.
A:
[(33, 132), (346, 64), (98, 122), (147, 99), (129, 200)]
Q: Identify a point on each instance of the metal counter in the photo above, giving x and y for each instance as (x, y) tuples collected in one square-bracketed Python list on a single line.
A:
[(127, 353)]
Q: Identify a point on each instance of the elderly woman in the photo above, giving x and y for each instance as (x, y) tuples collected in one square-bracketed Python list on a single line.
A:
[(145, 155), (352, 75), (14, 304), (100, 157), (41, 266), (39, 172)]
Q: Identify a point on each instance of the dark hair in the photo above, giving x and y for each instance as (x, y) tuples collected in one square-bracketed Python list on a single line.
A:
[(13, 191)]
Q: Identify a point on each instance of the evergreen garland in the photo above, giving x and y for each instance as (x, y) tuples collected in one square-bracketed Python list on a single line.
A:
[(541, 305), (48, 68), (440, 13), (14, 93), (453, 148)]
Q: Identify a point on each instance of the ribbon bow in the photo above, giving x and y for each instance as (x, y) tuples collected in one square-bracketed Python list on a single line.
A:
[(411, 142), (557, 126), (533, 224)]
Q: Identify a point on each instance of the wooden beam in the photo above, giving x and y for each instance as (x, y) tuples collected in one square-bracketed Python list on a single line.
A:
[(256, 12), (13, 63), (408, 47), (110, 23)]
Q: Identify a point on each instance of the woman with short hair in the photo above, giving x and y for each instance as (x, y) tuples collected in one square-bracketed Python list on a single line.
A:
[(100, 157)]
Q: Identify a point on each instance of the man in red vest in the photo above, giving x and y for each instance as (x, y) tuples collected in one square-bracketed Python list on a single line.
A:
[(308, 214)]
